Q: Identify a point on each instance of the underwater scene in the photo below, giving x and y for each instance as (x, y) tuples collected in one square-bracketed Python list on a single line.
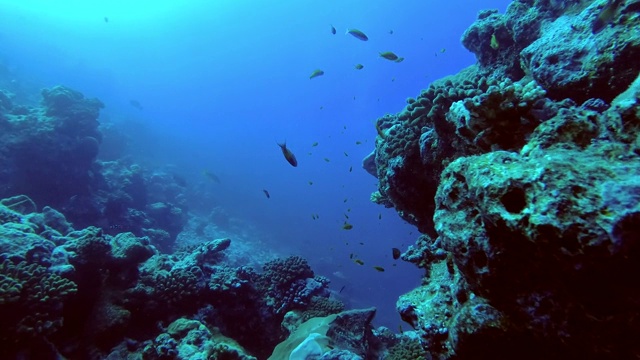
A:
[(326, 180)]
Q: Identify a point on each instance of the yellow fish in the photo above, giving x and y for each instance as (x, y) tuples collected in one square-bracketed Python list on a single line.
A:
[(494, 42), (347, 226)]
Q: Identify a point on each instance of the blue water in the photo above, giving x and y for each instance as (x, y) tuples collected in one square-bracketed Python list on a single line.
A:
[(220, 82)]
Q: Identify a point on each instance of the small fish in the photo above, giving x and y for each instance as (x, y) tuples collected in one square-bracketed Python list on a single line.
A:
[(494, 42), (345, 154), (347, 226), (346, 216), (317, 216), (359, 66), (399, 60), (106, 19), (342, 288), (380, 216), (358, 142), (361, 243), (349, 210), (395, 252), (358, 261), (314, 144), (266, 193), (357, 34), (443, 50), (344, 127), (333, 30), (316, 73), (350, 168), (351, 256), (211, 176), (327, 159), (313, 216), (389, 55), (310, 182), (118, 227), (393, 79), (379, 268), (136, 104), (390, 32), (400, 329), (606, 15), (380, 132), (288, 154), (321, 107), (345, 199)]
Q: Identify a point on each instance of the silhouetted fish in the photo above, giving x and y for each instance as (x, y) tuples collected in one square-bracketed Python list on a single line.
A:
[(316, 73), (266, 193), (288, 154), (211, 176), (135, 104)]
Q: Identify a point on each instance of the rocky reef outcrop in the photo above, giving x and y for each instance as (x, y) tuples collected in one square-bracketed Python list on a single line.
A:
[(49, 153), (522, 174)]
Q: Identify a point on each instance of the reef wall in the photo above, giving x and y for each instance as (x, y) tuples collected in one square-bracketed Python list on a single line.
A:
[(521, 172)]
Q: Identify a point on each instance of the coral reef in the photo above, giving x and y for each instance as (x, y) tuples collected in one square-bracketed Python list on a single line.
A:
[(521, 173), (49, 154), (123, 298)]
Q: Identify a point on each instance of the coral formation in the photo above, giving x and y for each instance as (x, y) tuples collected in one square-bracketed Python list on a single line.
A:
[(521, 173), (58, 283)]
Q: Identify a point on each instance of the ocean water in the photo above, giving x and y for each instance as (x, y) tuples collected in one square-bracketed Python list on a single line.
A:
[(220, 83)]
